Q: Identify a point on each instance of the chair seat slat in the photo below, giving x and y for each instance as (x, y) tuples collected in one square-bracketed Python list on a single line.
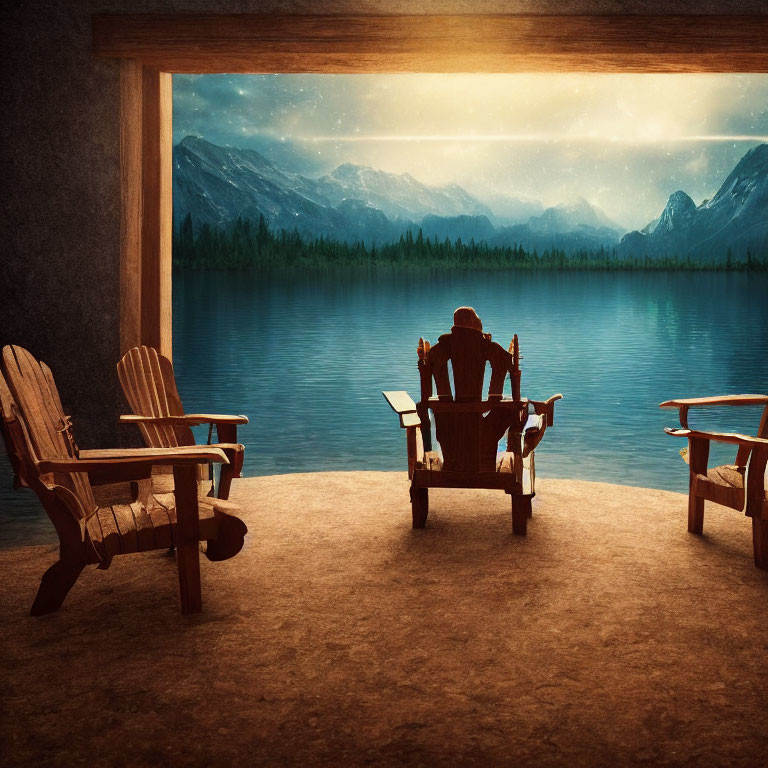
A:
[(110, 533), (126, 525)]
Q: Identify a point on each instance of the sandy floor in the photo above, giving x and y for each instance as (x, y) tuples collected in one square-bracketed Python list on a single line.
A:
[(341, 637)]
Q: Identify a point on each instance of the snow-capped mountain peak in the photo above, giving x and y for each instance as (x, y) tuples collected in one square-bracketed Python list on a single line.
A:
[(733, 221)]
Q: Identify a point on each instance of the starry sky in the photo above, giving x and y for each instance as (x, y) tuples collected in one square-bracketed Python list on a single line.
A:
[(624, 142)]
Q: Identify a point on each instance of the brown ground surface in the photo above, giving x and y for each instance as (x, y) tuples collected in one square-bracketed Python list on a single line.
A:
[(341, 637)]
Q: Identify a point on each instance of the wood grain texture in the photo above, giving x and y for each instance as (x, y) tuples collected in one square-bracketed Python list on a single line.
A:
[(706, 402), (724, 485), (162, 457), (157, 219), (187, 553), (188, 419), (429, 43), (130, 203), (149, 386)]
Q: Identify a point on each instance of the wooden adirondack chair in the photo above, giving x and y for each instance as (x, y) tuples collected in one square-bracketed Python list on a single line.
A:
[(743, 485), (46, 458), (149, 385), (468, 427)]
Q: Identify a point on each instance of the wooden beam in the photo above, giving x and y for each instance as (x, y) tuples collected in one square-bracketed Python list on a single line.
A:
[(130, 204), (157, 219), (425, 43)]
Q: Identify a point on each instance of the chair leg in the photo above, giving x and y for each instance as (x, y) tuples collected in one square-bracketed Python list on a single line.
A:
[(55, 585), (227, 433), (698, 456), (760, 542), (521, 511), (419, 506), (188, 562), (187, 538), (695, 514), (225, 481)]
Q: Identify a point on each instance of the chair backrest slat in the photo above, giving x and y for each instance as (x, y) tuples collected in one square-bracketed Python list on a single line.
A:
[(15, 439), (132, 377), (45, 429), (43, 414), (149, 385)]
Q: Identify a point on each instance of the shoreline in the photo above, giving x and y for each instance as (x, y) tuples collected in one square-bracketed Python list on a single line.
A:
[(45, 533), (18, 525)]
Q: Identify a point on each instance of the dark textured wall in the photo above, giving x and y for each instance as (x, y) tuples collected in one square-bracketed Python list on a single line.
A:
[(59, 145)]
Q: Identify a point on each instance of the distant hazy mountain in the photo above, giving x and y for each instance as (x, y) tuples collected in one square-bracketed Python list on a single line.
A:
[(512, 210), (736, 218), (569, 226), (398, 196), (216, 184), (570, 216)]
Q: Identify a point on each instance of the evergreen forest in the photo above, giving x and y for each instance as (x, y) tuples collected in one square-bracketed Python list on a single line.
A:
[(249, 245)]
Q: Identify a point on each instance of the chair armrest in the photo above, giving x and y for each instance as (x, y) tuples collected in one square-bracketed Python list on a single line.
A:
[(188, 419), (702, 402), (185, 451), (135, 458), (547, 407), (217, 418), (720, 437), (226, 446), (403, 405), (113, 473)]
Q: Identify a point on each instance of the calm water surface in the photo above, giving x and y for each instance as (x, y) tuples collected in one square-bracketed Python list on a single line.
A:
[(306, 357)]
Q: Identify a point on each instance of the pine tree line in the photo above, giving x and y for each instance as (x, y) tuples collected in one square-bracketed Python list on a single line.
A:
[(246, 244)]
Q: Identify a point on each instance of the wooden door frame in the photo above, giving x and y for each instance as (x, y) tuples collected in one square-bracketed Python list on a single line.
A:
[(153, 47)]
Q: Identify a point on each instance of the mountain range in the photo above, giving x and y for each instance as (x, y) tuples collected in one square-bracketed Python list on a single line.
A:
[(216, 185), (735, 220)]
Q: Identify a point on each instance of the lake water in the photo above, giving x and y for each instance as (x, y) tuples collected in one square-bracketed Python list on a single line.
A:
[(306, 356)]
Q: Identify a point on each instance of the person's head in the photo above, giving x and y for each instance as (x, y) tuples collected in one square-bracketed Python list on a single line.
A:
[(466, 317)]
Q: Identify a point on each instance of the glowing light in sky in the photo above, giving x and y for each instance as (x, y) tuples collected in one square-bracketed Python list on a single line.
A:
[(652, 137), (624, 142)]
